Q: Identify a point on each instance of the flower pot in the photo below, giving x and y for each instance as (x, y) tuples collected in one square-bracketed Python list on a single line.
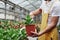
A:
[(30, 28)]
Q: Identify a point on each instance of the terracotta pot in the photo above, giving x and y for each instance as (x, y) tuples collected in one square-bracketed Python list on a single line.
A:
[(30, 28)]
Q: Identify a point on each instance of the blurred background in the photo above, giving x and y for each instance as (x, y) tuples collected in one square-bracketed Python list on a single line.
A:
[(16, 10)]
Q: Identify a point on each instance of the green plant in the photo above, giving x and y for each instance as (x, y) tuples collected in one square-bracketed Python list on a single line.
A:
[(23, 35), (12, 34), (58, 27), (9, 33), (28, 20), (8, 23)]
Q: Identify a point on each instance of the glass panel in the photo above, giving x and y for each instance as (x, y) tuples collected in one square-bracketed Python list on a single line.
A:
[(2, 5), (2, 11), (2, 16), (16, 1), (29, 6), (9, 16), (24, 3)]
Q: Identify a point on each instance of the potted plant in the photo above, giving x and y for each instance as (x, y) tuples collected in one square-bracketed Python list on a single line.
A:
[(30, 26), (11, 33)]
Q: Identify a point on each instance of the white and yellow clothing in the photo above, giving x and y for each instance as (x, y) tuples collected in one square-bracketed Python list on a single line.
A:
[(54, 11), (48, 11)]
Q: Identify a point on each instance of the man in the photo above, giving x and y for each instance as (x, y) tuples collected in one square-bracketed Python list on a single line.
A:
[(52, 8)]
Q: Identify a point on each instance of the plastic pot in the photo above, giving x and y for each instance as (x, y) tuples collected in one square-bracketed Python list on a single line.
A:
[(30, 28)]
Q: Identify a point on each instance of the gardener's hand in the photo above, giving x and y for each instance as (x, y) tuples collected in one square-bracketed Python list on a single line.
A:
[(31, 15), (35, 34)]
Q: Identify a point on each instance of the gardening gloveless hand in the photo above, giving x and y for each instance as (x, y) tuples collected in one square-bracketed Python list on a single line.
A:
[(31, 15), (35, 34)]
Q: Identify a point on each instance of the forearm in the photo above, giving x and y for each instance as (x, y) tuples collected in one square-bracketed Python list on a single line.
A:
[(48, 29), (51, 26), (36, 12)]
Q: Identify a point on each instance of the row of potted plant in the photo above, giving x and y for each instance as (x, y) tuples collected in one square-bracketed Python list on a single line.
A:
[(12, 34), (10, 31)]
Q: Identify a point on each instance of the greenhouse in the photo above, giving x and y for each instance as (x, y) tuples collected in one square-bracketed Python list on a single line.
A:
[(29, 20)]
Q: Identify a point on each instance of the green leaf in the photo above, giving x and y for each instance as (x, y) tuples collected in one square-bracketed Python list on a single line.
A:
[(28, 20)]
